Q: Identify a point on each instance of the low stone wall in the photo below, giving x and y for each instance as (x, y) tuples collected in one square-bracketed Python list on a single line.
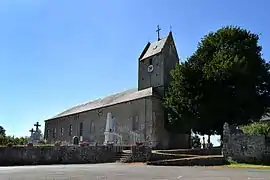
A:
[(245, 148), (139, 154), (267, 144), (57, 155)]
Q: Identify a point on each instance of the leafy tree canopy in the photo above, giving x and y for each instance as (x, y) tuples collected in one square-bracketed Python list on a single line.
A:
[(2, 131), (4, 140), (257, 128), (225, 80)]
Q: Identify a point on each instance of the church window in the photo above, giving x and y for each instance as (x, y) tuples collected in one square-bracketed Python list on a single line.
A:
[(70, 130), (100, 112), (154, 119), (135, 123), (171, 49), (76, 117), (54, 133), (151, 61), (92, 126), (81, 129), (62, 131)]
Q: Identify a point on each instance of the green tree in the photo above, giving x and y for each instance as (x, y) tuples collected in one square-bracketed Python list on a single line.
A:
[(2, 131), (225, 80), (4, 140), (257, 128)]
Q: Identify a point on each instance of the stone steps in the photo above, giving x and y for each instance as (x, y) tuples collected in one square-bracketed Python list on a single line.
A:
[(121, 157)]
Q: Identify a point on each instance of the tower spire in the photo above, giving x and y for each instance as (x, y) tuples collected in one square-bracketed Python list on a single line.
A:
[(158, 29)]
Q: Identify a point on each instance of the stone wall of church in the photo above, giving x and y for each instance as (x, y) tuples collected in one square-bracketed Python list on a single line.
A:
[(151, 79), (165, 139), (171, 59), (143, 116), (130, 116), (160, 135)]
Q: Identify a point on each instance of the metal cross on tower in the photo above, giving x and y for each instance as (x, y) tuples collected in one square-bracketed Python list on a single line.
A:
[(158, 29), (37, 125)]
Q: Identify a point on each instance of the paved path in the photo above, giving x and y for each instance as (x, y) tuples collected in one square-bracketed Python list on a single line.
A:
[(128, 172)]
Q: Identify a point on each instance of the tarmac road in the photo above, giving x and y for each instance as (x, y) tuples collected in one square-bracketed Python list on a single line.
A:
[(128, 172)]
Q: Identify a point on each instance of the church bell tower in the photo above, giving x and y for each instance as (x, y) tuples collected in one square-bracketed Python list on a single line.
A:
[(156, 62)]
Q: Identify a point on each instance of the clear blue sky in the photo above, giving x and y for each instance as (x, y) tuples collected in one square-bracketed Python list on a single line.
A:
[(56, 54)]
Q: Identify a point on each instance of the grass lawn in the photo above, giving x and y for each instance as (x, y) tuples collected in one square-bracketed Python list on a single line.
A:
[(233, 164), (240, 165)]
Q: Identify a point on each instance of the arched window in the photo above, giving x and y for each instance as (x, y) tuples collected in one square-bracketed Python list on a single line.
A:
[(92, 126), (81, 129), (135, 123), (70, 130)]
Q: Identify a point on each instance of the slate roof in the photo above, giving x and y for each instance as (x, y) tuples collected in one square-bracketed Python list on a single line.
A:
[(121, 97), (153, 48)]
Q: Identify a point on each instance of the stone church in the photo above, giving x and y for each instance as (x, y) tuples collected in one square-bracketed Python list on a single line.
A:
[(138, 111)]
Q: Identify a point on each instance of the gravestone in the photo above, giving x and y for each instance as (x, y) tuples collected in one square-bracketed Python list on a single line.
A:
[(31, 138), (37, 125), (36, 135), (203, 144), (75, 140)]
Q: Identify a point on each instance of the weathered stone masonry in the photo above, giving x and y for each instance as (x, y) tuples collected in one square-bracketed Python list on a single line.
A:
[(245, 148), (57, 155)]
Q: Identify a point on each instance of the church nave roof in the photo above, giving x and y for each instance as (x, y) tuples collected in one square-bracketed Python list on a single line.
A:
[(125, 96)]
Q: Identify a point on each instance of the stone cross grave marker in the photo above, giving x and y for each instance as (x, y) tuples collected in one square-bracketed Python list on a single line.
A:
[(35, 134), (37, 125), (31, 138), (32, 131)]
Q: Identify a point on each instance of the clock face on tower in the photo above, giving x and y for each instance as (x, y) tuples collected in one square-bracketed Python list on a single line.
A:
[(150, 68)]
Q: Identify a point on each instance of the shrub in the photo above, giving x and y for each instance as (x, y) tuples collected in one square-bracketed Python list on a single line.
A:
[(257, 128)]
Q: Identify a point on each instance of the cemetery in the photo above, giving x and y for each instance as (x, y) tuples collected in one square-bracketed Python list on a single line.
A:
[(36, 135)]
